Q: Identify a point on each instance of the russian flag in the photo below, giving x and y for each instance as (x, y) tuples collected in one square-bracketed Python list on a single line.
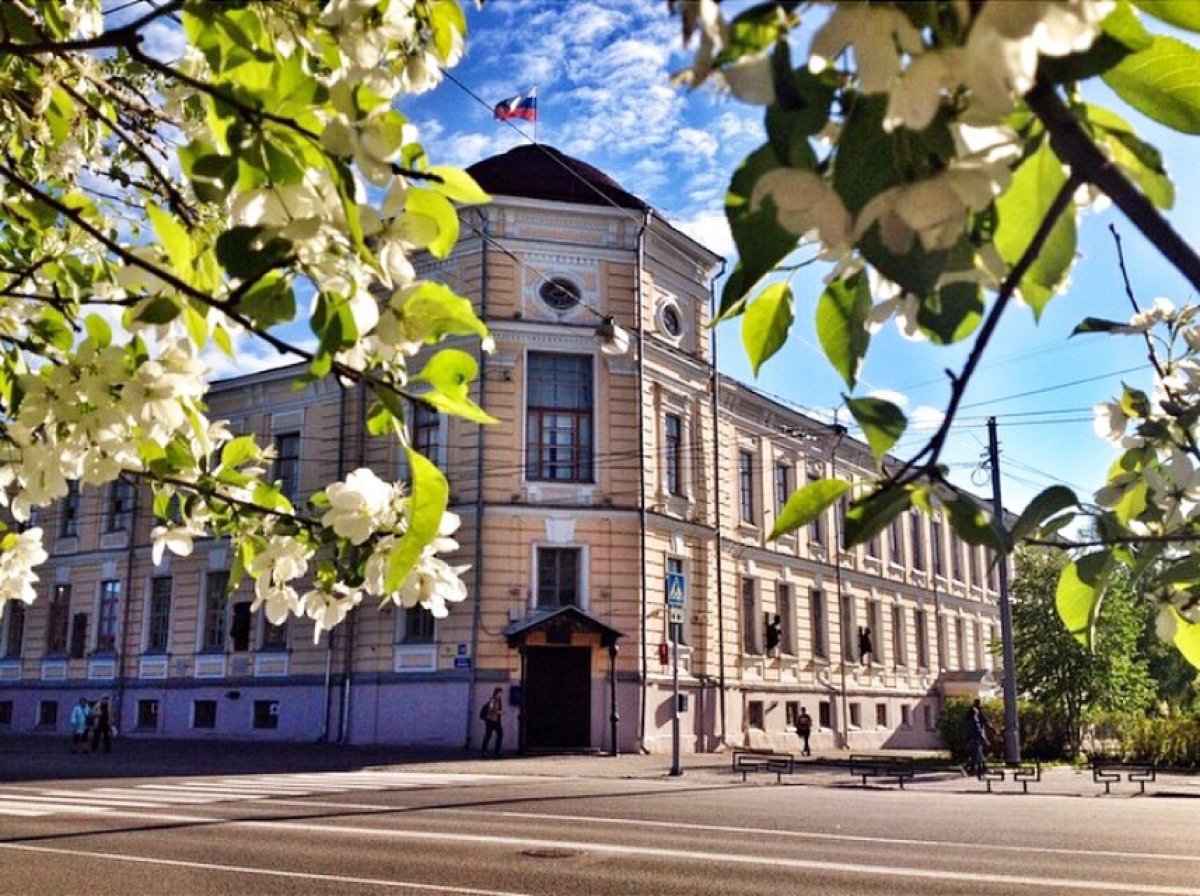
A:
[(523, 105)]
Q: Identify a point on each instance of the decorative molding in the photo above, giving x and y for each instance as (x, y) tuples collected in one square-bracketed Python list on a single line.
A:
[(415, 658), (152, 666), (210, 666), (271, 665), (102, 670), (10, 670), (560, 530), (54, 670)]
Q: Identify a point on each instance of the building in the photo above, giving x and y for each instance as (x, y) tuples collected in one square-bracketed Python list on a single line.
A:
[(613, 481)]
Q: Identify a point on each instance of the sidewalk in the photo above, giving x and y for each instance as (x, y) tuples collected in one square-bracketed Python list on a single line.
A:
[(25, 758)]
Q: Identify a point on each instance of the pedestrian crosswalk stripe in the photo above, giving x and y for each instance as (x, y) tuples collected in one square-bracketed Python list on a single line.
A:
[(37, 801)]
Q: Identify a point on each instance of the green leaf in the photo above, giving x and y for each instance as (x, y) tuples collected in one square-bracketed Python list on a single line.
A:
[(98, 330), (973, 524), (1180, 13), (1099, 325), (766, 324), (882, 422), (842, 324), (1133, 502), (449, 374), (1078, 594), (174, 238), (760, 241), (870, 514), (1139, 160), (432, 311), (268, 302), (952, 313), (807, 504), (1187, 639), (238, 451), (1055, 499), (753, 30), (1035, 184), (157, 310), (457, 185), (1162, 82), (423, 203), (430, 494), (244, 253), (221, 338)]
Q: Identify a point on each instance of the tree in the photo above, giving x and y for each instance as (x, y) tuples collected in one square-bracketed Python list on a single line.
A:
[(1058, 672), (932, 154), (154, 207)]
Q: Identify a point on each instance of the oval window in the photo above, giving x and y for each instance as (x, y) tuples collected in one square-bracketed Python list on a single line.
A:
[(672, 322), (559, 293)]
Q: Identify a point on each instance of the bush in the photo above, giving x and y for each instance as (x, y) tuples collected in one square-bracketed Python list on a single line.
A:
[(1044, 733), (952, 724), (1140, 738)]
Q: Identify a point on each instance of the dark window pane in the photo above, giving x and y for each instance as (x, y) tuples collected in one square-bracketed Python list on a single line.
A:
[(216, 600), (418, 626), (558, 436), (558, 577), (159, 631), (106, 622), (287, 465)]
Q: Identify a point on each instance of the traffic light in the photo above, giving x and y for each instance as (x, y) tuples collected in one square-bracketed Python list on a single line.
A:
[(774, 631)]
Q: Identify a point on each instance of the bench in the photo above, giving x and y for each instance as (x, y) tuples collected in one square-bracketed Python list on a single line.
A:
[(897, 767), (1025, 773), (1108, 773), (746, 761)]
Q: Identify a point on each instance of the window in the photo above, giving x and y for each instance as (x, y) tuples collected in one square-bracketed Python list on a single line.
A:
[(791, 710), (921, 619), (673, 453), (754, 715), (939, 564), (896, 542), (746, 485), (418, 626), (751, 627), (204, 713), (274, 637), (978, 631), (899, 639), (677, 633), (119, 511), (960, 642), (69, 524), (849, 625), (927, 712), (216, 602), (558, 577), (14, 632), (47, 716), (973, 565), (855, 715), (816, 529), (266, 713), (816, 606), (158, 633), (558, 431), (286, 470), (918, 541), (147, 715), (956, 559), (559, 293), (427, 432), (875, 622), (79, 635), (671, 319), (58, 620), (783, 486), (993, 575), (873, 547), (824, 714), (239, 627), (787, 619), (106, 619), (6, 711), (905, 715), (881, 715)]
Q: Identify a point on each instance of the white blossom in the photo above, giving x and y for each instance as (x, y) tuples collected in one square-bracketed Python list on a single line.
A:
[(805, 204), (358, 507)]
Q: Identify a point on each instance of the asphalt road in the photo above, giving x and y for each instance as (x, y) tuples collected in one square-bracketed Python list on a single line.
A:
[(408, 830)]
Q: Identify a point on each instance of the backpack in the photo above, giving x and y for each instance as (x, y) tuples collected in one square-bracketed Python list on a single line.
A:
[(483, 711)]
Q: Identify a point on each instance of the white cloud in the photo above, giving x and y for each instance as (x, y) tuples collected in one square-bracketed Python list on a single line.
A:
[(695, 142), (925, 418), (899, 399), (711, 230), (164, 41)]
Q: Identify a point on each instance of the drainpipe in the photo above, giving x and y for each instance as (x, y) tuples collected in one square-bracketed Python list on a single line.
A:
[(477, 604), (327, 688), (124, 641), (722, 741), (641, 382)]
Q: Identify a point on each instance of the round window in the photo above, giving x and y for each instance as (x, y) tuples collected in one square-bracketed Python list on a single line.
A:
[(672, 321), (559, 293)]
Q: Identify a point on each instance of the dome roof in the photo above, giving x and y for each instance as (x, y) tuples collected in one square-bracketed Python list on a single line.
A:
[(539, 171)]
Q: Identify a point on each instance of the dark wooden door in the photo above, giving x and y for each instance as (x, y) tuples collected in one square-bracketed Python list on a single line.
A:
[(558, 698)]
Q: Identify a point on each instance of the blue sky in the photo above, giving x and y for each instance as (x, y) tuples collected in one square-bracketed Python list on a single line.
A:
[(602, 70)]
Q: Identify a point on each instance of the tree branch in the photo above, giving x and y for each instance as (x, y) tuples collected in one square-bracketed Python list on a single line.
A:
[(1073, 146), (125, 36)]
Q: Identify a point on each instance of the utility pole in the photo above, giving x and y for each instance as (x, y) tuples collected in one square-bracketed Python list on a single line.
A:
[(1012, 734)]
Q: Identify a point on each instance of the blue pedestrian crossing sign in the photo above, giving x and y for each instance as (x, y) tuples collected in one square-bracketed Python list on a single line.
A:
[(676, 589)]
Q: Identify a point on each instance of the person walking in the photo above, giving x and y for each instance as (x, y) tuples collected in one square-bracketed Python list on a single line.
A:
[(492, 714), (804, 730), (977, 740), (103, 729), (79, 724)]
